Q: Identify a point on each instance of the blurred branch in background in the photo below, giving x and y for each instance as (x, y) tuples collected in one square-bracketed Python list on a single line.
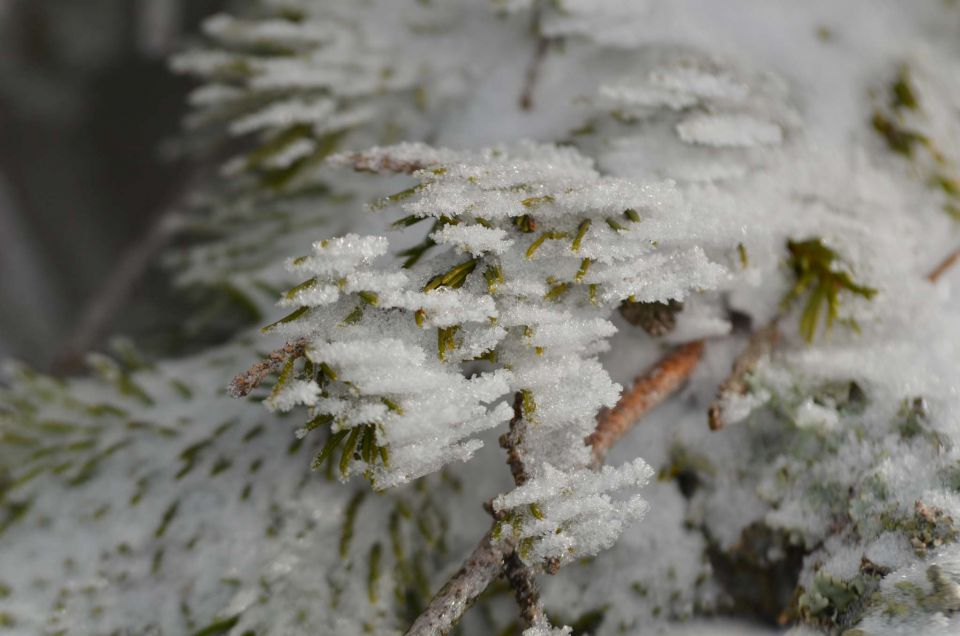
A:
[(104, 306), (85, 102), (158, 26)]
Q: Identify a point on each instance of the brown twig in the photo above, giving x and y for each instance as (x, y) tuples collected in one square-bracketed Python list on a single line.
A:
[(245, 382), (511, 440), (525, 590), (533, 70), (944, 265), (648, 390), (760, 345), (521, 576), (489, 559), (481, 568)]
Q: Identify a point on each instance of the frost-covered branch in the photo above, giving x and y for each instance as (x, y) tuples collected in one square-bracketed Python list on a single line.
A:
[(534, 249), (511, 440), (519, 575), (650, 389)]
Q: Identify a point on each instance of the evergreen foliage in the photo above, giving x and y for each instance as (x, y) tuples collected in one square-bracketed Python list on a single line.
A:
[(701, 197)]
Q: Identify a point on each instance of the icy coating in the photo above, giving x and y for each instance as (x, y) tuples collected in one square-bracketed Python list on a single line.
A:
[(681, 152)]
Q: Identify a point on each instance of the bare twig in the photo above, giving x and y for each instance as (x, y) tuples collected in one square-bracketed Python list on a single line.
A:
[(245, 382), (944, 265), (109, 300), (648, 390), (760, 345), (533, 70), (488, 560), (511, 440), (525, 590), (481, 568)]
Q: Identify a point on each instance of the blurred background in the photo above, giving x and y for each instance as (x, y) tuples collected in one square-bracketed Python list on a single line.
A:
[(88, 117)]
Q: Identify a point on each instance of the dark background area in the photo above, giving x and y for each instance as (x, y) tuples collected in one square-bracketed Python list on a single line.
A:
[(88, 114)]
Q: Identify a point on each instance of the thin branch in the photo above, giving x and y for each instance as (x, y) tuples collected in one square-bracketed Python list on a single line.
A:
[(533, 70), (944, 265), (648, 390), (533, 73), (526, 591), (488, 560), (245, 382), (521, 576), (100, 311), (511, 440), (481, 568), (760, 345)]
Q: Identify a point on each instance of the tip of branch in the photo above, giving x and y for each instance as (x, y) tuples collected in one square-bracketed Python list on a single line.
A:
[(239, 386), (244, 383), (649, 389)]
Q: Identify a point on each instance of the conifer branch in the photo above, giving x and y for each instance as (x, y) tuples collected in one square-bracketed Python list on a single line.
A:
[(944, 265), (244, 383), (487, 562), (760, 345), (648, 390), (491, 559)]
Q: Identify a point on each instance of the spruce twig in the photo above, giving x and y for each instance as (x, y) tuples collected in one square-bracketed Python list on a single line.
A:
[(489, 559)]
